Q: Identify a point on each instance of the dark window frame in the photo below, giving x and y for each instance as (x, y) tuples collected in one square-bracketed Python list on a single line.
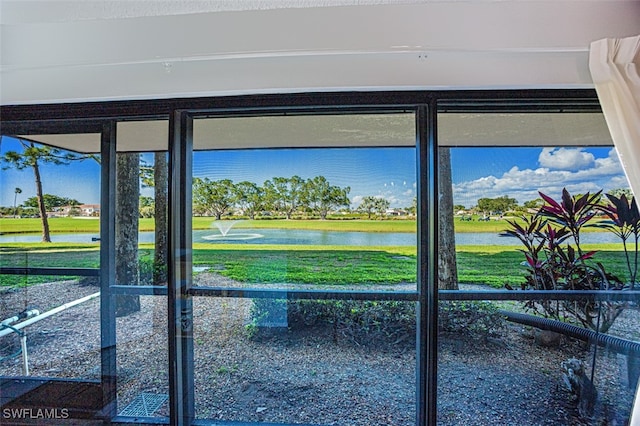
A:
[(101, 117)]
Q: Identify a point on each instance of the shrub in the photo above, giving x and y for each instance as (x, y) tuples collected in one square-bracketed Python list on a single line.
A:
[(552, 266), (476, 319), (145, 268), (371, 323)]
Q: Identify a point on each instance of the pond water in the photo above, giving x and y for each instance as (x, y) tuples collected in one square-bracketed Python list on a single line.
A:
[(304, 237)]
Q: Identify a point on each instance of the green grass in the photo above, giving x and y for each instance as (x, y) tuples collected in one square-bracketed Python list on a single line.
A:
[(489, 265), (324, 267), (52, 255), (92, 225), (499, 265), (338, 265), (493, 226), (59, 225)]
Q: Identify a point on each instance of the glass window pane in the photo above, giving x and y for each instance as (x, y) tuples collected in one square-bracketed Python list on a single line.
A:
[(49, 219), (529, 212), (305, 361), (308, 218), (141, 234), (341, 218), (142, 360)]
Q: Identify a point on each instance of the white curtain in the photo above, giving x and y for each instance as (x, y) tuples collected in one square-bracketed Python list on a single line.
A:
[(615, 66)]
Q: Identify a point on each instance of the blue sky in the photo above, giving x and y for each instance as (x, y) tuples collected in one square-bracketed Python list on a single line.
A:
[(387, 172), (521, 172), (384, 172)]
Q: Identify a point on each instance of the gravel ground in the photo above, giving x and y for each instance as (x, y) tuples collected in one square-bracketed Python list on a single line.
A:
[(310, 376)]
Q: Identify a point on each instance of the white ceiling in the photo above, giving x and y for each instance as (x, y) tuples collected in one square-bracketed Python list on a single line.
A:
[(64, 51)]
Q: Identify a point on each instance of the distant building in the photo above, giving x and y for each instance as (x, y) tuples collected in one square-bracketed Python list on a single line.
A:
[(395, 212), (84, 210)]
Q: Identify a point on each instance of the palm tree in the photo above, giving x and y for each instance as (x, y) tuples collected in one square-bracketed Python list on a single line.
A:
[(32, 157), (15, 200)]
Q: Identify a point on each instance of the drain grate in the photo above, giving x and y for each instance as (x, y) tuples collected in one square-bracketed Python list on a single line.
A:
[(144, 405)]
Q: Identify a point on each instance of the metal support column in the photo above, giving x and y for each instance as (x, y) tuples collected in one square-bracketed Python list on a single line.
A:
[(180, 304), (427, 372), (107, 269)]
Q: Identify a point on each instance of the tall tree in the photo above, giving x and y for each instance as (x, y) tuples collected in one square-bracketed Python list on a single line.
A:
[(322, 196), (157, 177), (161, 195), (368, 206), (382, 205), (371, 205), (50, 201), (447, 264), (249, 197), (499, 204), (127, 219), (285, 194), (32, 157), (213, 197)]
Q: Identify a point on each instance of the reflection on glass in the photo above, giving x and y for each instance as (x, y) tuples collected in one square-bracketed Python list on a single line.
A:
[(60, 324), (51, 323), (47, 199)]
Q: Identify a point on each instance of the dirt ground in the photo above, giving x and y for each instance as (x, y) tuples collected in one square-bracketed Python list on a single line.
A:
[(310, 376)]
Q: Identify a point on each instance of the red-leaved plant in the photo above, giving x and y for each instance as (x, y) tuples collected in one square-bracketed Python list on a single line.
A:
[(623, 219), (556, 261)]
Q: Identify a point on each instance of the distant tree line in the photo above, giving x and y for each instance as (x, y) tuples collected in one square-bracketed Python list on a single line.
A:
[(51, 202), (374, 206), (499, 204), (279, 196), (505, 203)]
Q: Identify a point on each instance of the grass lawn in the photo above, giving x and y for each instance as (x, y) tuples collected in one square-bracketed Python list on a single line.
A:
[(92, 225), (489, 265), (339, 265), (52, 255), (334, 266), (499, 265), (56, 225)]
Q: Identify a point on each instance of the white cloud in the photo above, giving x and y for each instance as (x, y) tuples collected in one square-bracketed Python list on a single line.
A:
[(565, 158), (523, 185)]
